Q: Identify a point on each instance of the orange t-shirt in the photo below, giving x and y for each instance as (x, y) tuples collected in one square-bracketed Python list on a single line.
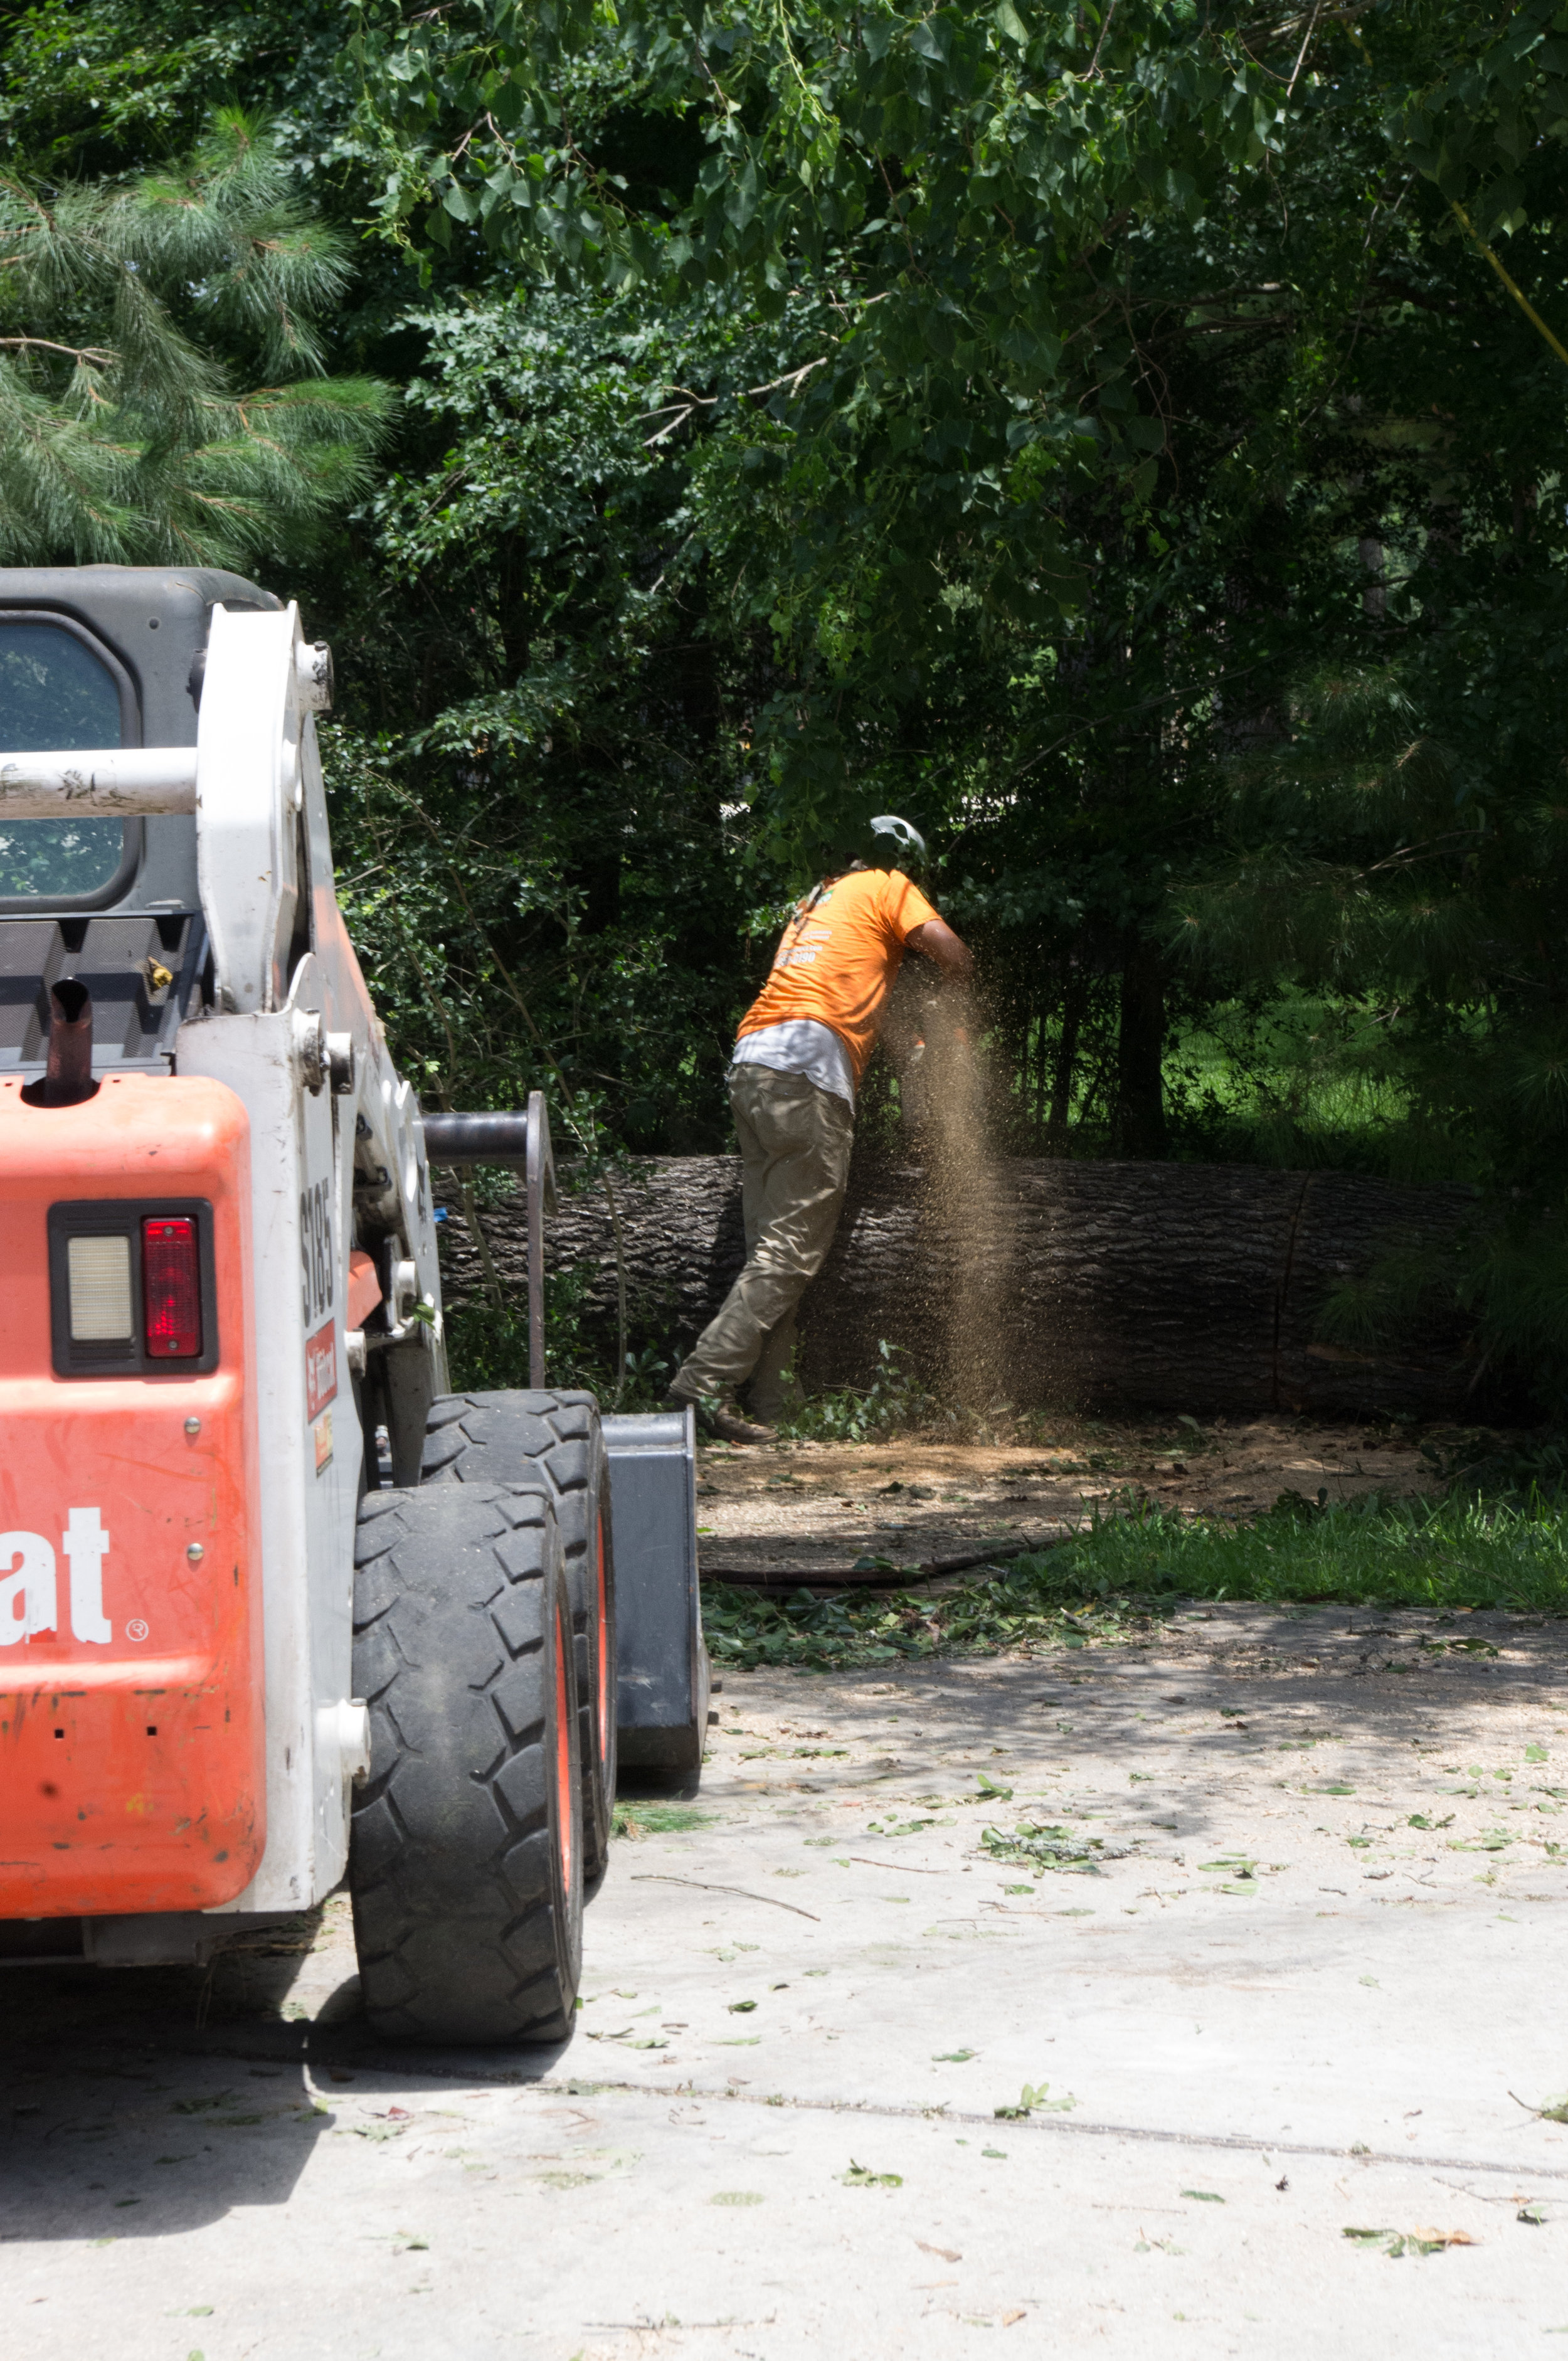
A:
[(839, 956)]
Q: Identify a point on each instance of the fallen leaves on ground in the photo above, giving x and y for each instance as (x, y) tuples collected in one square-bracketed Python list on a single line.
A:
[(1395, 2243), (1041, 1845), (1035, 2099), (1551, 2111), (993, 1609), (657, 1819)]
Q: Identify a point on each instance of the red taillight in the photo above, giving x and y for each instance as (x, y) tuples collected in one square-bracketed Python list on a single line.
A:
[(171, 1287)]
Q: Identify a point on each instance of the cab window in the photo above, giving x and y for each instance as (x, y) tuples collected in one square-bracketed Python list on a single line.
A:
[(56, 692)]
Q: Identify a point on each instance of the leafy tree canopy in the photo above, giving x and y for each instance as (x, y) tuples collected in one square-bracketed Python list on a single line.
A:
[(1127, 438)]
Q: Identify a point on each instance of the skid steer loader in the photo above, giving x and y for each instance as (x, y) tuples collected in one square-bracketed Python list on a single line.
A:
[(274, 1602)]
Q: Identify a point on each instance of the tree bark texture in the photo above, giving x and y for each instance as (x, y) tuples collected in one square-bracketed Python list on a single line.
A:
[(1180, 1287), (1140, 1053)]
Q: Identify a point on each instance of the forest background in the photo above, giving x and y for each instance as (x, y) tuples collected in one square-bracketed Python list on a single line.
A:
[(1125, 440)]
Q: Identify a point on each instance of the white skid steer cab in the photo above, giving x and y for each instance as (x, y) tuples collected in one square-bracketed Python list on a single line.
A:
[(275, 1605)]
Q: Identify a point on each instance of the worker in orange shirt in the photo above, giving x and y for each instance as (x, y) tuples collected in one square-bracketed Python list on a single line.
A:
[(803, 1046)]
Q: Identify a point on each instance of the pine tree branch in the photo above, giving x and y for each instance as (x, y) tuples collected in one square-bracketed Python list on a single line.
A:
[(100, 355)]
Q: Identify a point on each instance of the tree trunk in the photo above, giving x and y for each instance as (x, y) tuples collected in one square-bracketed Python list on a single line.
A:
[(1074, 1006), (1181, 1287), (1140, 1053)]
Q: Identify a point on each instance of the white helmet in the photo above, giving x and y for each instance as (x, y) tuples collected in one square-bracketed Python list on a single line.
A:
[(910, 845)]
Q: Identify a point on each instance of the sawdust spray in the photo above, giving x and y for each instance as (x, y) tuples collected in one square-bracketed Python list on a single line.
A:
[(965, 1222)]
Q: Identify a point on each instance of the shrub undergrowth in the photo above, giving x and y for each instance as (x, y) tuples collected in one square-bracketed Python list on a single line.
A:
[(894, 1402)]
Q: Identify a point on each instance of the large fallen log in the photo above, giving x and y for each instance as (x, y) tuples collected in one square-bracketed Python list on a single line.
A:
[(1186, 1287)]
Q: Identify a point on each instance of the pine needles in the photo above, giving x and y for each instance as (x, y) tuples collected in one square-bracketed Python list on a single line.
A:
[(124, 437)]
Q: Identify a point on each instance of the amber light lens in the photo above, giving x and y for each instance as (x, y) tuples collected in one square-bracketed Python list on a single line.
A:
[(171, 1287)]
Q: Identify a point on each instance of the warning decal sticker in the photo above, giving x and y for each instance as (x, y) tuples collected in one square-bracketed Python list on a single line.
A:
[(321, 1371)]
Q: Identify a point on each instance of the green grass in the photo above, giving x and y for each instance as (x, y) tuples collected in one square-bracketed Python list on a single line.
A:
[(1116, 1578), (1440, 1554)]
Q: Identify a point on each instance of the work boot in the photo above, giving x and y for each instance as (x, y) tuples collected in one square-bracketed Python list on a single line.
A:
[(730, 1423), (721, 1422)]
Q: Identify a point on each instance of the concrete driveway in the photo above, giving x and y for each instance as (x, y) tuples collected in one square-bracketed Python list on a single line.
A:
[(1282, 1933)]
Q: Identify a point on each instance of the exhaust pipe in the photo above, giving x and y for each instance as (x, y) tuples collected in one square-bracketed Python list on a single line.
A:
[(68, 1077)]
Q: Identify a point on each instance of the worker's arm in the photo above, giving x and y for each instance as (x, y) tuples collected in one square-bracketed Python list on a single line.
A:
[(937, 941)]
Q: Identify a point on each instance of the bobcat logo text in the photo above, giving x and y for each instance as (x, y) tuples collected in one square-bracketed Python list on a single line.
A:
[(29, 1588)]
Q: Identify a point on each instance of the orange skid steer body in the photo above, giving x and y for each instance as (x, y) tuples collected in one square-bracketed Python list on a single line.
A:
[(278, 1611), (131, 1710), (221, 1325)]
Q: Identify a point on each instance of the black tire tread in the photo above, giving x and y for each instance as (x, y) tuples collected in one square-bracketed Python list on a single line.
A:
[(461, 1932), (552, 1434)]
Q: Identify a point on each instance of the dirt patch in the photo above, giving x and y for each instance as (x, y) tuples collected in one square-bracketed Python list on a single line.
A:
[(812, 1508)]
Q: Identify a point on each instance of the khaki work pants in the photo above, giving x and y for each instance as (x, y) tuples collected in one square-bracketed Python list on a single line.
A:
[(795, 1162)]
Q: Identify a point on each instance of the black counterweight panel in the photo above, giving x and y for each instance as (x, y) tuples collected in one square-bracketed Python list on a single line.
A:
[(123, 962)]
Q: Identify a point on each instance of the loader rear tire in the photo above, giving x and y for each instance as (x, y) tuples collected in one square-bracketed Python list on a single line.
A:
[(517, 1437), (464, 1857)]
